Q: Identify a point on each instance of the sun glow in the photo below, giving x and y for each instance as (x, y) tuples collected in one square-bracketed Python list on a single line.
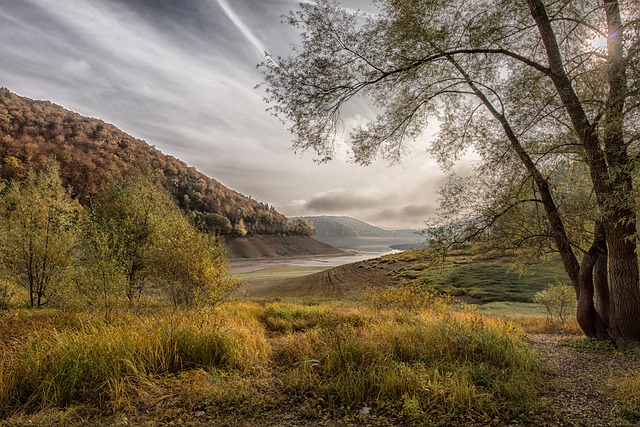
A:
[(599, 42)]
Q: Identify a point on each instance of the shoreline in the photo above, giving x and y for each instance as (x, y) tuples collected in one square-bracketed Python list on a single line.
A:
[(248, 265)]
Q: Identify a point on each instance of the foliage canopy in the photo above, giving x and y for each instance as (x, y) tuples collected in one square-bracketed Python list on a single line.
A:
[(523, 85)]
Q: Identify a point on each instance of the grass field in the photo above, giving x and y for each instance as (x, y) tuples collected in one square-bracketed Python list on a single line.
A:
[(390, 355), (310, 362), (487, 280)]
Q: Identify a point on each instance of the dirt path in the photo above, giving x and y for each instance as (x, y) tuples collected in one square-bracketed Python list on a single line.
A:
[(580, 392)]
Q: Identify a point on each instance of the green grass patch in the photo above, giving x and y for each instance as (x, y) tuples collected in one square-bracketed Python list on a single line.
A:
[(627, 394), (290, 317), (486, 280)]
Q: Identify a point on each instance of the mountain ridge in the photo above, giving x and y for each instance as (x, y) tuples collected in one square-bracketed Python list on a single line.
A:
[(346, 226), (94, 154)]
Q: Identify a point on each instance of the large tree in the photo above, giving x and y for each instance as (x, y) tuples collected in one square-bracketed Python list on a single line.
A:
[(534, 88)]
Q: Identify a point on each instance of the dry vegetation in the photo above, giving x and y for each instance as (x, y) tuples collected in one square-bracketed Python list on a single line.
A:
[(257, 360), (393, 356)]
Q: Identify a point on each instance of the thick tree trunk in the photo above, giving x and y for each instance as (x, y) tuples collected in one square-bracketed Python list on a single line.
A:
[(601, 283), (625, 292), (609, 168), (589, 318)]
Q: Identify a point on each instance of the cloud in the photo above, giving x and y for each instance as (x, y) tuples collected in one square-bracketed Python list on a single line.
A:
[(339, 199), (409, 216), (418, 211)]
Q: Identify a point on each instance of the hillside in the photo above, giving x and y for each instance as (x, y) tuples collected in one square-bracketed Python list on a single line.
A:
[(94, 154), (344, 226), (260, 246)]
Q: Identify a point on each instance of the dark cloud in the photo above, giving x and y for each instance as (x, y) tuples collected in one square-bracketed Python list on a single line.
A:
[(340, 200), (411, 216)]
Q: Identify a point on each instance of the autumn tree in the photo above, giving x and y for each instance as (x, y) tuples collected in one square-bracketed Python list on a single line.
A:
[(190, 266), (138, 242), (299, 227), (212, 223), (527, 86), (240, 229), (39, 233), (126, 223)]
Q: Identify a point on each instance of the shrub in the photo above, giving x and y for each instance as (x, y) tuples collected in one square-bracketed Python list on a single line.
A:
[(559, 300)]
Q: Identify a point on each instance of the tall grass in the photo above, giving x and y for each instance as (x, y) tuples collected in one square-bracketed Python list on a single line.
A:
[(104, 363), (430, 363), (290, 317), (627, 394), (402, 360)]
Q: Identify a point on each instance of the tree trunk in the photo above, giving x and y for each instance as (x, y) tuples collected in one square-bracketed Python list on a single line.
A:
[(609, 169), (601, 282), (625, 292), (590, 320), (620, 221)]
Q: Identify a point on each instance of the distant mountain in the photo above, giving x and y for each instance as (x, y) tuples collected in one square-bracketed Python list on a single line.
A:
[(345, 226), (93, 155), (352, 234)]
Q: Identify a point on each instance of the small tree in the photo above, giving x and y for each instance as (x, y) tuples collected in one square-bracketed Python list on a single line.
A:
[(240, 229), (126, 223), (138, 240), (39, 233), (559, 300), (190, 266)]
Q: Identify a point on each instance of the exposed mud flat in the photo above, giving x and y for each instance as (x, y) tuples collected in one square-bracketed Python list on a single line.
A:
[(264, 246)]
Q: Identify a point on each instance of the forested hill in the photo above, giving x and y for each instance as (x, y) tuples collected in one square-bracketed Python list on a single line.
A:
[(93, 155)]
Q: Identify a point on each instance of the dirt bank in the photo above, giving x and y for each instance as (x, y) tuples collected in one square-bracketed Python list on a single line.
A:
[(348, 281), (261, 246)]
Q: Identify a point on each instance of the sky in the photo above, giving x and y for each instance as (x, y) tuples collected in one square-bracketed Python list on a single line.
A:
[(182, 75)]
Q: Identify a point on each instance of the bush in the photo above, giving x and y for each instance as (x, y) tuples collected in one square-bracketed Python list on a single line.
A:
[(559, 301), (409, 297)]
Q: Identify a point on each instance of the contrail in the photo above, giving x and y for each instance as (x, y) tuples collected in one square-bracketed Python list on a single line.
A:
[(231, 14)]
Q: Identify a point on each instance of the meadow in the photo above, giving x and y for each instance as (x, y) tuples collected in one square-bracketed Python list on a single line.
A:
[(402, 355)]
